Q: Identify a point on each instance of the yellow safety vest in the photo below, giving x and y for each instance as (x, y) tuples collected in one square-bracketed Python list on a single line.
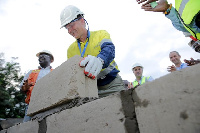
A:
[(135, 83), (187, 9), (97, 38)]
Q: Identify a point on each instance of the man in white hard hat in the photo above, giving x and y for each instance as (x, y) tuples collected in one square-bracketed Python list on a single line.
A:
[(97, 49), (175, 58), (137, 69), (45, 58)]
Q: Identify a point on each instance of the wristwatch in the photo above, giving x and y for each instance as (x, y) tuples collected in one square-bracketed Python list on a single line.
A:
[(168, 10)]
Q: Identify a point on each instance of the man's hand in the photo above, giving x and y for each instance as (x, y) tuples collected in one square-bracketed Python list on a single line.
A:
[(93, 66), (130, 85), (147, 1), (171, 68), (191, 62), (161, 7), (26, 86)]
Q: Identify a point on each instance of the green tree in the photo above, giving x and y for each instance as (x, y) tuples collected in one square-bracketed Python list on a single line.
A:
[(12, 103)]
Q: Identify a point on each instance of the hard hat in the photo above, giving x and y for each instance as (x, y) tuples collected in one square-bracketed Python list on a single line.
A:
[(46, 52), (68, 14), (137, 65)]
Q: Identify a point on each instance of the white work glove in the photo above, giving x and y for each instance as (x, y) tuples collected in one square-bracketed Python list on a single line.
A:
[(93, 66)]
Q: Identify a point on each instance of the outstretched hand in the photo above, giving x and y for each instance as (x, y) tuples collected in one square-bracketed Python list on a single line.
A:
[(147, 2), (191, 62), (171, 68), (161, 7)]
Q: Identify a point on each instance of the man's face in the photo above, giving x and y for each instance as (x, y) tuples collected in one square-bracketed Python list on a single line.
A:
[(44, 60), (175, 58), (75, 28), (138, 71)]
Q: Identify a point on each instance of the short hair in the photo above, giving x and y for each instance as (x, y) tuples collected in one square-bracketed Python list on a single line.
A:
[(175, 52)]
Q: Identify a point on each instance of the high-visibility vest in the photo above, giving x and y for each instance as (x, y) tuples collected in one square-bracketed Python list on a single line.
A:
[(32, 79), (97, 38), (187, 9), (135, 83)]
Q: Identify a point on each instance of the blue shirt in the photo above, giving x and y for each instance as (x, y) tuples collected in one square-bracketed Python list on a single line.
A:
[(183, 65), (173, 16)]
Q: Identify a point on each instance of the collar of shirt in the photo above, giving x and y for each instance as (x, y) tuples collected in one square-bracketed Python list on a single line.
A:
[(49, 67), (140, 80)]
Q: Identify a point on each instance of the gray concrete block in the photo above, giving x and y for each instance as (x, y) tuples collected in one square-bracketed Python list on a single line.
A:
[(3, 131), (27, 127), (170, 104), (63, 84), (105, 115), (9, 122)]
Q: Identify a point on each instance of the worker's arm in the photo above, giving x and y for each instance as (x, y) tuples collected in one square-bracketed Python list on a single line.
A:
[(24, 84), (162, 6), (107, 53), (173, 16)]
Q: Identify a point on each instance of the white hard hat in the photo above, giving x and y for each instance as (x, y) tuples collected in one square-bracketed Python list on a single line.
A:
[(68, 14), (137, 65), (46, 52)]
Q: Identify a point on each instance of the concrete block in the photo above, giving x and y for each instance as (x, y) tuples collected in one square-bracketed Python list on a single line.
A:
[(3, 131), (63, 84), (105, 115), (9, 122), (27, 127), (170, 104)]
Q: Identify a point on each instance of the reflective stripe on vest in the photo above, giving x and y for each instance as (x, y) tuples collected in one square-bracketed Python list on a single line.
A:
[(187, 10), (111, 66), (135, 83)]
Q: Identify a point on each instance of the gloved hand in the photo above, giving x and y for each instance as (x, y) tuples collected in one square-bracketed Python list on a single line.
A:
[(93, 66)]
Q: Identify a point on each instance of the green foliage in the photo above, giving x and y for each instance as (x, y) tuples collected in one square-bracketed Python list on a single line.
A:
[(12, 103)]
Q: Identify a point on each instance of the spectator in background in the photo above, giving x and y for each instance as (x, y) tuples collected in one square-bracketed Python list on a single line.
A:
[(175, 57), (45, 58), (140, 79)]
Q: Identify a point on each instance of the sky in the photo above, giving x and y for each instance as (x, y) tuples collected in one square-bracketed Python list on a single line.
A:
[(30, 26)]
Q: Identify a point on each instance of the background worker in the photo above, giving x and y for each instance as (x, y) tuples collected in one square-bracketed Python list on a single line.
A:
[(45, 58), (185, 17), (138, 72), (175, 58), (97, 49)]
